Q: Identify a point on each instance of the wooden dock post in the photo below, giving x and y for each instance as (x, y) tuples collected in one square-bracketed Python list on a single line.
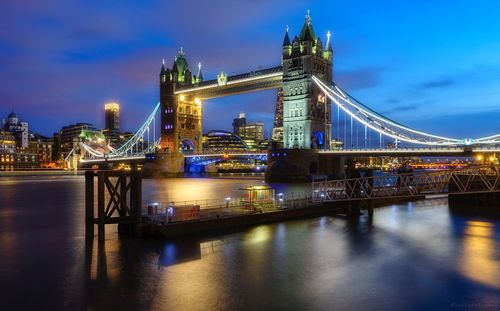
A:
[(89, 204), (100, 205), (136, 201), (119, 201)]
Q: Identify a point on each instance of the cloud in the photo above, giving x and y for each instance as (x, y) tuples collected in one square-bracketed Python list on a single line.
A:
[(440, 83), (358, 79), (403, 108)]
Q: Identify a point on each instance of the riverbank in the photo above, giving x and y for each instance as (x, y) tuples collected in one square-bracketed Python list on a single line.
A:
[(40, 173)]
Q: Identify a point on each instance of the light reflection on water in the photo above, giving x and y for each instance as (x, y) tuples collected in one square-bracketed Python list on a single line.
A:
[(412, 256), (480, 258)]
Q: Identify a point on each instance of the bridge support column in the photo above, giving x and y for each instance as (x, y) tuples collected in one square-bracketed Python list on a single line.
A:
[(165, 165), (478, 201), (289, 165), (475, 204), (353, 209)]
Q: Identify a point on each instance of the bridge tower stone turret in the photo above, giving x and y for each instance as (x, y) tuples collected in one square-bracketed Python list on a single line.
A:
[(181, 115), (306, 110)]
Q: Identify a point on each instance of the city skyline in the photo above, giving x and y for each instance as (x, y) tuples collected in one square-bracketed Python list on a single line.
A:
[(399, 71)]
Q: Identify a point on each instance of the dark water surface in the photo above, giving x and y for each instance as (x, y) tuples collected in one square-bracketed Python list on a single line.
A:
[(414, 256)]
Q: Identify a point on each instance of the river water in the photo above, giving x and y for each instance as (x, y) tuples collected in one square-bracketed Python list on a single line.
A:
[(413, 256)]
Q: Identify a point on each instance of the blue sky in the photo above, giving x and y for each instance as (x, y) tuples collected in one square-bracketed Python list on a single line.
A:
[(432, 65)]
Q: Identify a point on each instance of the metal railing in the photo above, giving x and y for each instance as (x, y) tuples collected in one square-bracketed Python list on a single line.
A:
[(221, 208), (464, 180)]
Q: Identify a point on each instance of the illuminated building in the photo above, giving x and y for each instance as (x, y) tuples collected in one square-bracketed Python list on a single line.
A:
[(42, 147), (252, 134), (223, 141), (112, 124), (20, 129), (70, 132), (112, 115), (7, 142), (239, 125)]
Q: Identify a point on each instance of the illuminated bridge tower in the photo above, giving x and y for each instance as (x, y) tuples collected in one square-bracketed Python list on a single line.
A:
[(180, 114), (306, 111)]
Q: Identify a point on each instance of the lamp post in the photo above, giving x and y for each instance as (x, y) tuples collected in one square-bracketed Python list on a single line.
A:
[(280, 199)]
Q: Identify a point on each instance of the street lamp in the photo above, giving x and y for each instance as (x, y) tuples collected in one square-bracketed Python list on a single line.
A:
[(280, 199), (227, 202)]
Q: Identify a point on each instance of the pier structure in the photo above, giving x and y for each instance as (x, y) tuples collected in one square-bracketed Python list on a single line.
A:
[(118, 201)]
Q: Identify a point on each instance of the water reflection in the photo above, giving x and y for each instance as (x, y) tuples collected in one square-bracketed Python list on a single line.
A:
[(174, 253), (410, 255), (480, 256)]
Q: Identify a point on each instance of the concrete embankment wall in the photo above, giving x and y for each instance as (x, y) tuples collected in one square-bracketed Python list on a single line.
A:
[(39, 173)]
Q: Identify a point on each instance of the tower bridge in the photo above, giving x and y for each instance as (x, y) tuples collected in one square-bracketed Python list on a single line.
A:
[(304, 116)]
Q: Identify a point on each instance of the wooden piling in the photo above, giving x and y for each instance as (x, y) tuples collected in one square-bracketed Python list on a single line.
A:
[(136, 201), (100, 205), (89, 204)]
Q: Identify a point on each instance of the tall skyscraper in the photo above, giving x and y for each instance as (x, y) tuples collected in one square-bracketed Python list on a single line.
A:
[(239, 125), (112, 115)]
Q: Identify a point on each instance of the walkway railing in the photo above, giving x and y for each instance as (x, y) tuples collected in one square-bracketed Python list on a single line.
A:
[(465, 180), (217, 208)]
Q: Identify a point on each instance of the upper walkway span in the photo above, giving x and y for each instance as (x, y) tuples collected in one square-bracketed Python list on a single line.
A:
[(270, 78)]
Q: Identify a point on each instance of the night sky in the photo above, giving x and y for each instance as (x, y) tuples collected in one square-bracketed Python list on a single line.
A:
[(432, 65)]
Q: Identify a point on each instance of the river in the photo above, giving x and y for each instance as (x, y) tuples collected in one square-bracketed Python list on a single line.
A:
[(413, 256)]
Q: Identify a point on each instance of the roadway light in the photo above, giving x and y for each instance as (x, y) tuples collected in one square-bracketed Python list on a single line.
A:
[(492, 158), (479, 157)]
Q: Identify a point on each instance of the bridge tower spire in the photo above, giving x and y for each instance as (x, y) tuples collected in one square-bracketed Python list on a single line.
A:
[(306, 111), (180, 114), (287, 46)]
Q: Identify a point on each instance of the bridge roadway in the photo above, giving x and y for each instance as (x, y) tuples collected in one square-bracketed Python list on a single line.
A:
[(448, 151), (456, 151)]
